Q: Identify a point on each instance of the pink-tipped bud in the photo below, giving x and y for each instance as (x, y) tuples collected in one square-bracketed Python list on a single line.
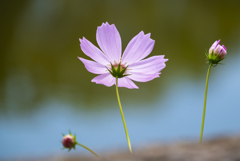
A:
[(216, 53), (68, 141)]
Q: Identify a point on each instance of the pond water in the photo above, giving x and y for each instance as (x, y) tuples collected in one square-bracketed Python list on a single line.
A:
[(176, 116)]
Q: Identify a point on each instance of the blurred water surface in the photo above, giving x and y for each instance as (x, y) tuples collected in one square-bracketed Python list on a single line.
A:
[(45, 90)]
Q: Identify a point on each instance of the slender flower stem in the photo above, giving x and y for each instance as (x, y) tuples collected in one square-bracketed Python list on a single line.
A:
[(88, 149), (205, 102), (124, 123)]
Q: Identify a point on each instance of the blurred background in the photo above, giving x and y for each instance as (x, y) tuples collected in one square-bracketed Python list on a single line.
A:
[(46, 91)]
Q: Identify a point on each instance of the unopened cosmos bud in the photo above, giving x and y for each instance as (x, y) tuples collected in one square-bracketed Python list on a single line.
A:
[(68, 141), (216, 53)]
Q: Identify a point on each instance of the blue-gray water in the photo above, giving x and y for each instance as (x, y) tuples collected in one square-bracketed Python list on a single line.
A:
[(39, 135)]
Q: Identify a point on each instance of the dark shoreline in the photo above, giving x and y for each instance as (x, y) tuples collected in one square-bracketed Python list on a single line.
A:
[(218, 149)]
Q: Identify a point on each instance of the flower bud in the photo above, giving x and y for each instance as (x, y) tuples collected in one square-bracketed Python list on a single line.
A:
[(216, 53), (68, 141)]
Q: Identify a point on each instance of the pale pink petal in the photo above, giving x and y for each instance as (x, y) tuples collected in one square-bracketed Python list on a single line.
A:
[(214, 46), (93, 52), (94, 67), (105, 79), (109, 40), (224, 48), (223, 52), (140, 77), (138, 48), (218, 49), (126, 82), (150, 65)]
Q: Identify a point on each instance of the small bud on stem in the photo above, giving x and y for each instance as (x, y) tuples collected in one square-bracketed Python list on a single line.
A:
[(215, 55), (69, 142)]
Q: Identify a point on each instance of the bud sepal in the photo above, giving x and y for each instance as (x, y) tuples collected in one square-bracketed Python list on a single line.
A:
[(213, 59)]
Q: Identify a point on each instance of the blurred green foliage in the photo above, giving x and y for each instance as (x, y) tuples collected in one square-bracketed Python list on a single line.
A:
[(39, 46)]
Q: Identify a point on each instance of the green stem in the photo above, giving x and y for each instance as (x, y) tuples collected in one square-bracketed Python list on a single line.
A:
[(87, 149), (205, 102), (124, 123)]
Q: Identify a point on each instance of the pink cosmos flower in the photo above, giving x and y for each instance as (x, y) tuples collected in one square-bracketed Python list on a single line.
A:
[(131, 63)]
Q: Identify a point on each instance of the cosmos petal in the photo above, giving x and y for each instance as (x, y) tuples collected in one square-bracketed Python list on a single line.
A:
[(94, 67), (214, 46), (138, 48), (150, 65), (105, 79), (126, 82), (109, 40), (140, 77), (224, 48), (93, 52)]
